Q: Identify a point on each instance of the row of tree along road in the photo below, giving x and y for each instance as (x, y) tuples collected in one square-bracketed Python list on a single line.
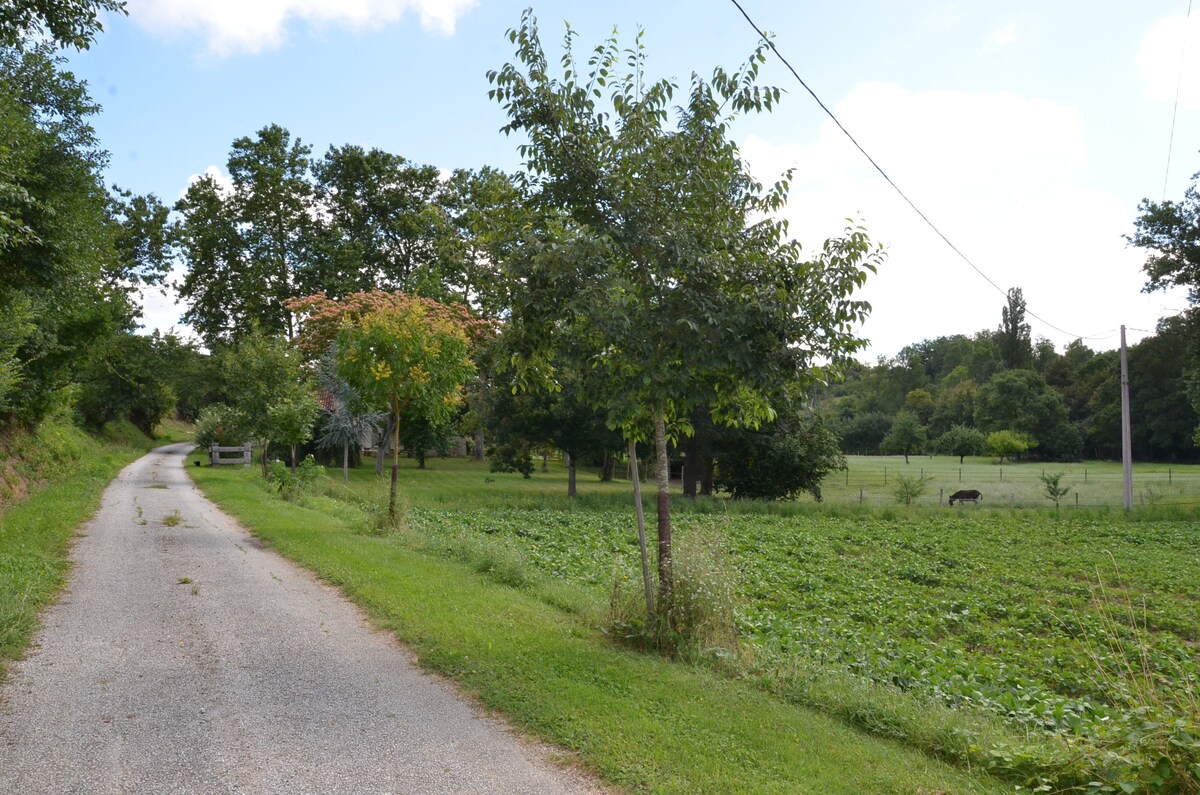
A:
[(629, 289)]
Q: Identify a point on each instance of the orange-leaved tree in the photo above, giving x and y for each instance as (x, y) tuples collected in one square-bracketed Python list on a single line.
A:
[(408, 356)]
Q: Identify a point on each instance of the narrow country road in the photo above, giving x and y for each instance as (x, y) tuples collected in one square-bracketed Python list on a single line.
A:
[(183, 658)]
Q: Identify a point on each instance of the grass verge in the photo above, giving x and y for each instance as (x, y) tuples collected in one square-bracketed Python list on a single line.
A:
[(640, 722)]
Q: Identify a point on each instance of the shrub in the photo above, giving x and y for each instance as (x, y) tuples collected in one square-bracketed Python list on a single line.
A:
[(222, 425), (910, 487), (292, 485)]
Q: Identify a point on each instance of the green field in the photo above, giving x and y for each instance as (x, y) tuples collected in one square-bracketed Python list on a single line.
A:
[(872, 479), (1048, 646)]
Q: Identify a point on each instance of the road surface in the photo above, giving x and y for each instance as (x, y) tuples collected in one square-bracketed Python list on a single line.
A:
[(184, 658)]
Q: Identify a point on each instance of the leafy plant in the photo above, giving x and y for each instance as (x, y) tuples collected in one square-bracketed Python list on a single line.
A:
[(909, 488), (1051, 483), (293, 485)]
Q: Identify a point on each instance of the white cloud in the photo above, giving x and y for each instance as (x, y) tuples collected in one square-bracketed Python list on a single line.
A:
[(999, 39), (253, 26), (1002, 176), (1169, 58), (223, 180)]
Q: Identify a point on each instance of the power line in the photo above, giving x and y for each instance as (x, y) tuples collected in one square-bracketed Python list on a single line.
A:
[(883, 173), (1175, 112)]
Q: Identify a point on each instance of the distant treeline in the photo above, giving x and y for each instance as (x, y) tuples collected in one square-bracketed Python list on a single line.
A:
[(1066, 405)]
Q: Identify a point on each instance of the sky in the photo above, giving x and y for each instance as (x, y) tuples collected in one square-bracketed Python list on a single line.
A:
[(1026, 131)]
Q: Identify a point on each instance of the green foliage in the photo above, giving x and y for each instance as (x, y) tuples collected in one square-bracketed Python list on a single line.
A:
[(1051, 483), (292, 485), (67, 23), (863, 434), (962, 442), (907, 436), (126, 378), (1013, 334), (291, 419), (223, 425), (788, 457), (1008, 444), (910, 488)]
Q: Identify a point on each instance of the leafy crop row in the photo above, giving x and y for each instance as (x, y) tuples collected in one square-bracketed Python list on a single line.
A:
[(1085, 629)]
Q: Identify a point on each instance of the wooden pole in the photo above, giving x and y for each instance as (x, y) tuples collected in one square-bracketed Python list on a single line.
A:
[(1126, 444), (641, 524)]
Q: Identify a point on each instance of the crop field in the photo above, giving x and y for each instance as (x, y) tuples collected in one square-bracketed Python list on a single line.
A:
[(1080, 627)]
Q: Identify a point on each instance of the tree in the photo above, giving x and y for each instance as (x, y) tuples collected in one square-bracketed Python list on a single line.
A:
[(907, 436), (1008, 444), (1013, 336), (1020, 400), (125, 379), (1051, 484), (791, 455), (962, 442), (244, 247), (655, 250), (382, 226), (262, 371), (291, 419), (1170, 232), (409, 357), (862, 434), (56, 242), (909, 488), (349, 420), (67, 23)]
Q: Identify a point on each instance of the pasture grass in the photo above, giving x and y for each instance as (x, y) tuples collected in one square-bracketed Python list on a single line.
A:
[(57, 474), (479, 609)]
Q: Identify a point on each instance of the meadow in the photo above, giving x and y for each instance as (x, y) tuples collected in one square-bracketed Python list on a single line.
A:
[(1056, 648)]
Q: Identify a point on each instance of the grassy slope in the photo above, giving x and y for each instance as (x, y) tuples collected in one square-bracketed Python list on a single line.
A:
[(67, 471), (642, 723)]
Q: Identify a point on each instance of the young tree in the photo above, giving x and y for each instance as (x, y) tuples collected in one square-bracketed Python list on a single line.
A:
[(409, 357), (962, 442), (1008, 444), (259, 373), (1051, 484), (659, 255), (126, 379), (907, 436), (291, 419)]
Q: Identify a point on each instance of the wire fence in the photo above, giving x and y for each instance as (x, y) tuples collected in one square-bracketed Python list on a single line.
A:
[(877, 480)]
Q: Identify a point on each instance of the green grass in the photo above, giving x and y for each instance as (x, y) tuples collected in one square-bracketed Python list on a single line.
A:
[(1036, 643), (527, 645), (59, 473), (1093, 484)]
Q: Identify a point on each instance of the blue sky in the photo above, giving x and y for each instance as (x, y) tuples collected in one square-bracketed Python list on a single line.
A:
[(1028, 131)]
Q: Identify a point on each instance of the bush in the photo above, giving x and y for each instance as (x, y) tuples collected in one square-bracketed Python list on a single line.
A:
[(791, 456), (910, 487), (222, 425), (293, 485)]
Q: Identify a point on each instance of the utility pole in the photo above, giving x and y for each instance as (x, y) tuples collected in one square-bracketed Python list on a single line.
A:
[(1126, 445)]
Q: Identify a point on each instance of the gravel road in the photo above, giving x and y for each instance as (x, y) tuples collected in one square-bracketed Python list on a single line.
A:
[(184, 658)]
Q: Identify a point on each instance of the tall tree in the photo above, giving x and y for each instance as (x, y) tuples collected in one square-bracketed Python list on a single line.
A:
[(658, 252), (245, 246), (1013, 336), (382, 225)]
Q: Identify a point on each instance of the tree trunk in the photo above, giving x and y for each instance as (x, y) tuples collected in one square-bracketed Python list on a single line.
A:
[(382, 450), (641, 524), (266, 447), (570, 475), (477, 454), (691, 471), (662, 474), (293, 459), (346, 461), (545, 463), (706, 476), (608, 468), (395, 467)]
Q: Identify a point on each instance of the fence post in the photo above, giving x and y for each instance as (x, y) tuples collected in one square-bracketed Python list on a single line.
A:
[(885, 476), (860, 496), (940, 493), (1168, 475), (1085, 474), (960, 474), (1001, 474), (1076, 499), (847, 475)]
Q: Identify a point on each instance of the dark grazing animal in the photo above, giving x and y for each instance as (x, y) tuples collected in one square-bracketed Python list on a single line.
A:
[(966, 495)]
